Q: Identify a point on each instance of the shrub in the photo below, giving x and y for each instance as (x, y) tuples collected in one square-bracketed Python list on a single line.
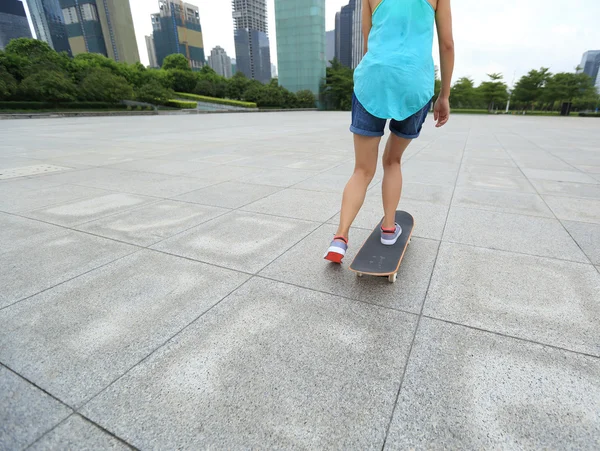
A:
[(155, 93), (182, 80), (8, 84), (32, 106), (306, 99), (205, 87), (49, 86), (176, 61), (182, 104), (102, 85), (214, 100)]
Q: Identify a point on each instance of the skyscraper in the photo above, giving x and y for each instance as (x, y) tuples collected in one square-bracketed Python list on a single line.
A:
[(590, 64), (301, 44), (49, 24), (358, 41), (220, 62), (177, 30), (101, 26), (344, 36), (330, 46), (252, 48), (13, 22), (152, 62)]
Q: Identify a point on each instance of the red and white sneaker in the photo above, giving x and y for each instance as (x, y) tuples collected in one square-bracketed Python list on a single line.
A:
[(337, 249)]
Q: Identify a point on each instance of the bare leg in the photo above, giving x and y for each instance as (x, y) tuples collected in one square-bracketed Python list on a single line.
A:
[(365, 149), (391, 187)]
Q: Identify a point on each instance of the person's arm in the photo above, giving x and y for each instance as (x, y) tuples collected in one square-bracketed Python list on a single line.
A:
[(443, 20), (367, 23)]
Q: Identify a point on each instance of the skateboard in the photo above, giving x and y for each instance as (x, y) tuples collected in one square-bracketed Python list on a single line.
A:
[(376, 259)]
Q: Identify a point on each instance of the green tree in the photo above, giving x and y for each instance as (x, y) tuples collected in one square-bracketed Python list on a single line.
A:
[(48, 86), (8, 84), (205, 87), (155, 93), (237, 86), (182, 80), (101, 85), (176, 61), (463, 94), (306, 99), (566, 86), (494, 92), (338, 87), (39, 55), (17, 66), (530, 88)]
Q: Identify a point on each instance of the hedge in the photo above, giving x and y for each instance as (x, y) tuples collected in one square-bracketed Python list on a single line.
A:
[(182, 104), (61, 106), (229, 102), (587, 114)]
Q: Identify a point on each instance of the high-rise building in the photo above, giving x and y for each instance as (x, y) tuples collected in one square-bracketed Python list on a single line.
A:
[(590, 64), (152, 62), (329, 46), (220, 62), (233, 66), (101, 26), (49, 24), (343, 33), (13, 22), (301, 44), (252, 48), (177, 29), (358, 41), (273, 71)]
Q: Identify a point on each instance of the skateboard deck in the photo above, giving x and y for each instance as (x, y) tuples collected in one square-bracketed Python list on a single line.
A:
[(376, 259)]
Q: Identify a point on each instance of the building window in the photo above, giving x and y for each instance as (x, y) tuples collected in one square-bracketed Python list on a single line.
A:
[(89, 13), (70, 15)]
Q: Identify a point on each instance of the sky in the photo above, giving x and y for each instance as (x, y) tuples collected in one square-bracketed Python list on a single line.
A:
[(506, 36)]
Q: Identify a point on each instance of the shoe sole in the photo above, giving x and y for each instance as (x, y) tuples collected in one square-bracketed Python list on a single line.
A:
[(334, 257), (389, 242)]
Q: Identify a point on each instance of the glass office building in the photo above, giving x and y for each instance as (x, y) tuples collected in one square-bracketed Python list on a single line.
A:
[(301, 44), (49, 24), (13, 22)]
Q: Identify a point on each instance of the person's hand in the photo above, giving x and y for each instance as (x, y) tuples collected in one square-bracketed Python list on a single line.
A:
[(441, 111)]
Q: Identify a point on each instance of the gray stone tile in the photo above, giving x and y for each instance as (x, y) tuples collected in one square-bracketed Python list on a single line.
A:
[(466, 389), (502, 201), (282, 177), (106, 321), (34, 199), (494, 182), (474, 159), (446, 178), (46, 259), (493, 170), (168, 167), (229, 194), (587, 237), (26, 412), (492, 290), (327, 182), (559, 176), (273, 366), (567, 188), (304, 265), (435, 194), (585, 210), (89, 209), (16, 231), (220, 242), (544, 237), (148, 225), (78, 434), (299, 204)]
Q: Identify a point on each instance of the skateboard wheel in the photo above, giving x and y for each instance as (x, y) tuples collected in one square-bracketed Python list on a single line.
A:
[(392, 278), (359, 274)]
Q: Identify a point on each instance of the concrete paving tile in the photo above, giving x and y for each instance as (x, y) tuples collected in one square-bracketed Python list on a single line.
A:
[(587, 237), (328, 367), (78, 434), (544, 237), (493, 170), (16, 231), (567, 188), (45, 196), (436, 194), (494, 182), (466, 389), (474, 159), (229, 194), (447, 178), (575, 209), (26, 412), (492, 290), (148, 225), (107, 320), (88, 209), (164, 166), (220, 242), (299, 204), (46, 259), (327, 182), (559, 176), (304, 265), (502, 201), (282, 177)]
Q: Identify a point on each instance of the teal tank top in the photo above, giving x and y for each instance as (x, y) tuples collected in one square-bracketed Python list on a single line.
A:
[(396, 77)]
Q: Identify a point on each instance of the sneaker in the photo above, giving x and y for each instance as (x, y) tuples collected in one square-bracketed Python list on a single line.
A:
[(337, 249), (389, 237)]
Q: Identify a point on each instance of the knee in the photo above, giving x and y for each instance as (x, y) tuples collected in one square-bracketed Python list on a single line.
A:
[(366, 173), (391, 161)]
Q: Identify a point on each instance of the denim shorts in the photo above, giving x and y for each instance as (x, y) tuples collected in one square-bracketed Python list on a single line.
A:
[(365, 124)]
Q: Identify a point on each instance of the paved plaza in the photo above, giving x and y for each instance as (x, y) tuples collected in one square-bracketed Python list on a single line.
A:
[(162, 287)]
